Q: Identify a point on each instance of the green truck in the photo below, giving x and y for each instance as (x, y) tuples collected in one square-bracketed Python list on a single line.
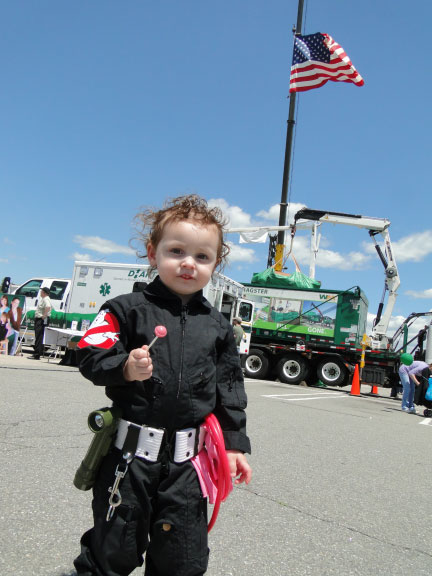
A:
[(312, 334), (301, 331)]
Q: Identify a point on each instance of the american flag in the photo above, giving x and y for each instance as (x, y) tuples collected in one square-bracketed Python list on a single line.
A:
[(317, 59)]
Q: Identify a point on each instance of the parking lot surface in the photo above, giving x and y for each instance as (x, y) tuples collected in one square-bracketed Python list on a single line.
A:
[(340, 487)]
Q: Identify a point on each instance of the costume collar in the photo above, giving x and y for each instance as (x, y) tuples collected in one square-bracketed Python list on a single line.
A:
[(158, 289)]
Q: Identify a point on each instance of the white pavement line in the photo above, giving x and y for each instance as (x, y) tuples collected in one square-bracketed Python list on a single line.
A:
[(300, 394), (306, 398), (426, 422)]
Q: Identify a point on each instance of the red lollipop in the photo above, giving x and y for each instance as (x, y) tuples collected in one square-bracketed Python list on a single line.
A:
[(160, 332)]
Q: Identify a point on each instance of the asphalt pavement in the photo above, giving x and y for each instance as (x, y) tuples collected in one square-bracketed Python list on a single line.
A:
[(340, 487)]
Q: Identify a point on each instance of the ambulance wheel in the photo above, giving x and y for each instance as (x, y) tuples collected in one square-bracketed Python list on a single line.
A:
[(256, 364), (331, 373), (292, 369)]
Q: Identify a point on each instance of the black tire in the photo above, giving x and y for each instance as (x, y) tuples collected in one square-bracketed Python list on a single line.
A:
[(256, 364), (292, 369), (332, 373)]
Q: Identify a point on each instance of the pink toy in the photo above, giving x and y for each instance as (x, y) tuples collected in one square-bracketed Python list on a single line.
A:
[(160, 332), (212, 467)]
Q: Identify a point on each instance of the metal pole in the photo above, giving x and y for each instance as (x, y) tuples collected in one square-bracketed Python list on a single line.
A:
[(287, 162)]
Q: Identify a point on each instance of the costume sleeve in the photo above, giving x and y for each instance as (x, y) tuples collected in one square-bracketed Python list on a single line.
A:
[(231, 398), (101, 352)]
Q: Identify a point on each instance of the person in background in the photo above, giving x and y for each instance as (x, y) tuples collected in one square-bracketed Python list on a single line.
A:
[(14, 317), (407, 373), (41, 319), (421, 337), (238, 330)]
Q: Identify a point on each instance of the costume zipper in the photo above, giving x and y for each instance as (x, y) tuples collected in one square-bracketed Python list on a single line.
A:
[(183, 318)]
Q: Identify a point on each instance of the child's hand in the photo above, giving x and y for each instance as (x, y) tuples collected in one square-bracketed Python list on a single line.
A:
[(138, 366), (239, 466)]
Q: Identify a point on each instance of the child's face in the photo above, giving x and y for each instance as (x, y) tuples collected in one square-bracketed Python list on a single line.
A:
[(186, 256)]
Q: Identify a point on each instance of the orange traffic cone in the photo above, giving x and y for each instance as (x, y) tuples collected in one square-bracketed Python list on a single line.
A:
[(374, 390), (355, 386)]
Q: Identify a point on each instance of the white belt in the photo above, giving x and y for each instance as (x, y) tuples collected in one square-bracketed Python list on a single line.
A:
[(150, 441)]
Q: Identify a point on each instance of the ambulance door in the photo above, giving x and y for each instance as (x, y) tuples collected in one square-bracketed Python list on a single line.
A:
[(59, 292), (244, 310)]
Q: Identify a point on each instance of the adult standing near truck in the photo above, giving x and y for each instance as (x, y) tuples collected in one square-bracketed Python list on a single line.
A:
[(42, 315), (407, 373), (238, 330), (421, 337)]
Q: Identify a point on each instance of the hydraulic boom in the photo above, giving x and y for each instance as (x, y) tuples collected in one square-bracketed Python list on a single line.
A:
[(391, 282)]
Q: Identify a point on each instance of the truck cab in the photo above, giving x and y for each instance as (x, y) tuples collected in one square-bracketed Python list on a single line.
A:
[(59, 291)]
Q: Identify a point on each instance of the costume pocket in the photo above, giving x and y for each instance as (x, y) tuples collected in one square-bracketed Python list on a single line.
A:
[(231, 389), (179, 543), (166, 543), (150, 389), (203, 383)]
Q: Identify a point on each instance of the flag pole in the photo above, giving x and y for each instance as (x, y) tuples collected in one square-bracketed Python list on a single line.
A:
[(287, 163)]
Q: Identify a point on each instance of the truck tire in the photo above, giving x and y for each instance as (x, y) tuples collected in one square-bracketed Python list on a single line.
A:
[(292, 369), (332, 373), (256, 364)]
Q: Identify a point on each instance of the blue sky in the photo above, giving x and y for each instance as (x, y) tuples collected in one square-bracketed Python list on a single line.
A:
[(108, 106)]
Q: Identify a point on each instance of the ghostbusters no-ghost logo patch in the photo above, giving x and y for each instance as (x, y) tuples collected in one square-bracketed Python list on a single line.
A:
[(103, 331)]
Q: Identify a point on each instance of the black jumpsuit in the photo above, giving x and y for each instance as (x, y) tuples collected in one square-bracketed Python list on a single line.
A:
[(196, 371)]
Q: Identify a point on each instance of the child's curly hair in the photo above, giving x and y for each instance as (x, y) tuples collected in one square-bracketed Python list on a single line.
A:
[(151, 222)]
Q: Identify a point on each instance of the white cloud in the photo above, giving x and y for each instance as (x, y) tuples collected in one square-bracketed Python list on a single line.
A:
[(4, 260), (238, 218), (81, 257), (7, 240), (102, 245), (241, 254), (272, 215), (413, 248), (395, 323), (354, 260), (349, 261), (236, 215), (328, 258), (300, 249), (420, 294)]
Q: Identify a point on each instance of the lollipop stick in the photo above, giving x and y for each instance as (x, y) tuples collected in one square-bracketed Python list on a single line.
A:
[(153, 341)]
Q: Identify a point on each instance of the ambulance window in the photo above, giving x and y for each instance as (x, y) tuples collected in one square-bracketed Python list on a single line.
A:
[(245, 311), (57, 290), (30, 289)]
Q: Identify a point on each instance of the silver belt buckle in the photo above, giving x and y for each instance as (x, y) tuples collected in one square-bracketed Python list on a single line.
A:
[(149, 443), (184, 445), (149, 440)]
